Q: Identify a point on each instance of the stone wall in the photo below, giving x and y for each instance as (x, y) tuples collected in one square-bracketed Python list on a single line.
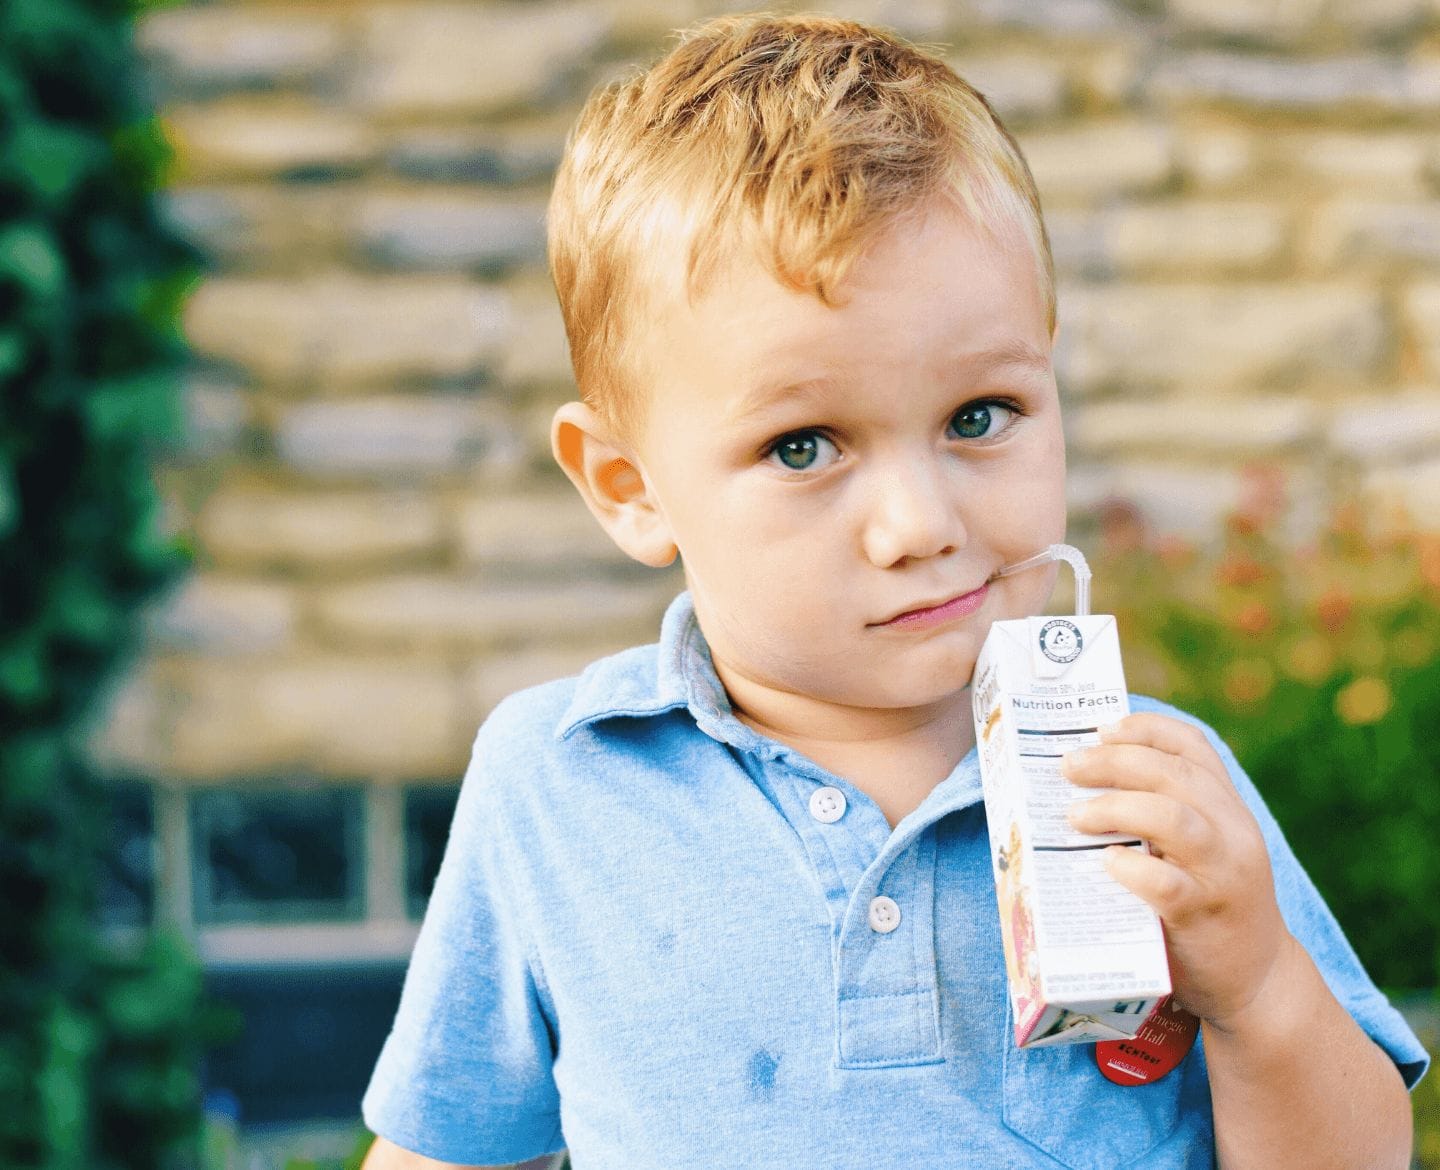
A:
[(1243, 202)]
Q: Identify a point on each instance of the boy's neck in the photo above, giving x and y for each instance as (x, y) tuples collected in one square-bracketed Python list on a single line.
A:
[(893, 755)]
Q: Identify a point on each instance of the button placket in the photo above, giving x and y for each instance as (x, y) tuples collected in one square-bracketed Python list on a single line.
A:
[(888, 1008)]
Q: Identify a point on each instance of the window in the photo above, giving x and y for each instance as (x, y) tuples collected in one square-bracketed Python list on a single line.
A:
[(428, 812), (277, 856)]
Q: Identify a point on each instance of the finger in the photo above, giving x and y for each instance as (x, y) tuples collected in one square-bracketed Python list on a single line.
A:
[(1180, 832), (1160, 883), (1165, 733), (1138, 767)]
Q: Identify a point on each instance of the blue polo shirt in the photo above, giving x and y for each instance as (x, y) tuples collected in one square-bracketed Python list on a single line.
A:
[(652, 941)]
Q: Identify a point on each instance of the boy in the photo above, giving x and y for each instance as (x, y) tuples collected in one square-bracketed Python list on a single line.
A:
[(727, 901)]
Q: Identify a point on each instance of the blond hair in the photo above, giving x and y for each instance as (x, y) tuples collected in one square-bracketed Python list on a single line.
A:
[(797, 137)]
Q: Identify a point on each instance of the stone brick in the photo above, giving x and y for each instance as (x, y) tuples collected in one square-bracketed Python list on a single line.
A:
[(451, 57), (1196, 237), (499, 675), (217, 417), (1415, 488), (1216, 157), (1173, 499), (1109, 74), (1422, 317), (1100, 159), (547, 530), (433, 613), (216, 614), (1190, 237), (1347, 232), (212, 49), (533, 423), (1392, 164), (1075, 17), (646, 23), (338, 716), (1240, 335), (508, 155), (321, 532), (1365, 81), (1381, 428), (537, 352), (1199, 425), (256, 137), (1295, 21), (1019, 85), (1382, 18), (398, 436), (1079, 243), (910, 18), (348, 328), (119, 733), (448, 230), (1189, 500), (260, 226)]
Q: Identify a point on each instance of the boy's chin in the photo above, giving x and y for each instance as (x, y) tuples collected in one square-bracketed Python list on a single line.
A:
[(920, 689)]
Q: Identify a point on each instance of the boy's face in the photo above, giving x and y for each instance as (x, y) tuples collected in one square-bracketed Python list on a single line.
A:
[(826, 471)]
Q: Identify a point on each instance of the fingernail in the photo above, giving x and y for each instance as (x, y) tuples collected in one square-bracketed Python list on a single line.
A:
[(1072, 814), (1105, 730), (1075, 758)]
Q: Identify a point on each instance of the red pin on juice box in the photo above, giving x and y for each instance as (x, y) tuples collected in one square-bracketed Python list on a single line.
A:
[(1085, 957)]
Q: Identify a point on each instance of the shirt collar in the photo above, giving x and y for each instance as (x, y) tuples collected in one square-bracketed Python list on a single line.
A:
[(650, 680), (678, 673)]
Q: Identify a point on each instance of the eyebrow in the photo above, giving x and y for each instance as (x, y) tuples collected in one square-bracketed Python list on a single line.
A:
[(1010, 353), (1007, 354)]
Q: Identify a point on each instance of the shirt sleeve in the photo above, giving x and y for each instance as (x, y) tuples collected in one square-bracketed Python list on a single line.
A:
[(1312, 923), (465, 1074)]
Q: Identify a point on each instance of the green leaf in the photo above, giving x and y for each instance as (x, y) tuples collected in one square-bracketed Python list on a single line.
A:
[(143, 154), (80, 608), (9, 501), (28, 255), (64, 1098), (12, 352), (53, 160), (144, 405), (22, 672)]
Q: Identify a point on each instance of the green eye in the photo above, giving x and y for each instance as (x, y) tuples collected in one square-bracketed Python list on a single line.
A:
[(975, 421), (807, 450), (799, 452)]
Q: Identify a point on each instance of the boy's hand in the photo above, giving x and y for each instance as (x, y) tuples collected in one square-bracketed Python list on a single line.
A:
[(1208, 873)]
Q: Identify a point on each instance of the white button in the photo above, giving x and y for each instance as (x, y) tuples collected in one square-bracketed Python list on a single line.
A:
[(884, 914), (827, 805)]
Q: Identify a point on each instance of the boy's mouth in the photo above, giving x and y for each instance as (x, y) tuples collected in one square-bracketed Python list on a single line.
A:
[(932, 613)]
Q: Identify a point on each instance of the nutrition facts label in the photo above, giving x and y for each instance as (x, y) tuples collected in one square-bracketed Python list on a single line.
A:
[(1082, 905), (1048, 727)]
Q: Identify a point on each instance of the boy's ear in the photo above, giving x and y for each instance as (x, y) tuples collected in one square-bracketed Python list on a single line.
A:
[(612, 484)]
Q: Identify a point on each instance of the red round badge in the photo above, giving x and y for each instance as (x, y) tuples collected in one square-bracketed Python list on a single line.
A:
[(1167, 1034)]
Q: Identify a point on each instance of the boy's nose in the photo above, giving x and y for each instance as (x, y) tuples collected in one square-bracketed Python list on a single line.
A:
[(910, 517)]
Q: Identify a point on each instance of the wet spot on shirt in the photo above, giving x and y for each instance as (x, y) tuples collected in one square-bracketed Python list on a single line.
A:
[(760, 1075), (665, 942)]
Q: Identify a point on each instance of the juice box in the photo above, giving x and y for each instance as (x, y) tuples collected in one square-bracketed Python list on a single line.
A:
[(1085, 957)]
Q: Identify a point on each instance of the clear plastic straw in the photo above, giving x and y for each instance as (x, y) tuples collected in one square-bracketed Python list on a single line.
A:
[(1058, 552)]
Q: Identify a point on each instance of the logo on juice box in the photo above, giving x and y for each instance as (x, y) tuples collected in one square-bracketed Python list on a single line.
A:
[(1085, 957)]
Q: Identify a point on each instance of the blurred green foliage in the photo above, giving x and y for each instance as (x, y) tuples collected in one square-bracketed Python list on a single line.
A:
[(99, 1045), (1320, 666), (363, 1140), (1426, 1097)]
